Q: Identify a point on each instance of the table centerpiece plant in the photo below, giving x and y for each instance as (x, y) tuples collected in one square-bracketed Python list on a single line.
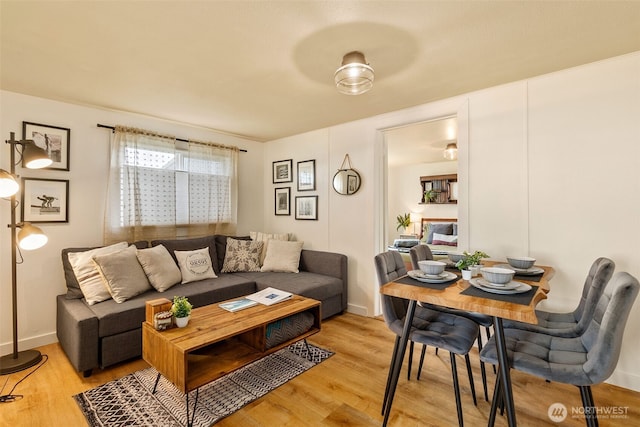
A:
[(468, 262), (181, 309)]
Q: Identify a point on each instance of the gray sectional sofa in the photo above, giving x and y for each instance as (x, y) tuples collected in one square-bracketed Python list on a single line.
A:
[(106, 333)]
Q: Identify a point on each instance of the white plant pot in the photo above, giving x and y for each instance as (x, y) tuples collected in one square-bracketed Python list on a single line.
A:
[(181, 322), (466, 274)]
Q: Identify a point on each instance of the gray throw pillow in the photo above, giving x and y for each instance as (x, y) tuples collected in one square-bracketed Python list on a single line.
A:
[(122, 274), (160, 268)]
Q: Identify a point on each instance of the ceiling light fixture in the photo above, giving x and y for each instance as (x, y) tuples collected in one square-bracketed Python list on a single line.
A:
[(354, 76), (451, 152)]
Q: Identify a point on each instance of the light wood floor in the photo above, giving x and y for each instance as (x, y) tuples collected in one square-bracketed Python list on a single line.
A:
[(345, 390)]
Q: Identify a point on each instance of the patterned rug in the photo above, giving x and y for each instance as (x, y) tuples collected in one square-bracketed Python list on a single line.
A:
[(128, 401)]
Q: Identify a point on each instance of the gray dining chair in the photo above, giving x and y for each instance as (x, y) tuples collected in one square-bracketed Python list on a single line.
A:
[(582, 361), (429, 327), (422, 253), (576, 322)]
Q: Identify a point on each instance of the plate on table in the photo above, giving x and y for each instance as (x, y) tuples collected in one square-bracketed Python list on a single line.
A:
[(429, 278), (521, 287), (524, 271), (504, 286)]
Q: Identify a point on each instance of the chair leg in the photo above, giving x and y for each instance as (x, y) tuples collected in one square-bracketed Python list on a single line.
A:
[(590, 414), (410, 362), (424, 349), (456, 387), (497, 397), (471, 382), (393, 360), (483, 370)]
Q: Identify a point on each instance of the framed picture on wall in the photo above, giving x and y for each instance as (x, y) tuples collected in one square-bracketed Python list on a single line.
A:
[(52, 139), (307, 175), (307, 207), (282, 201), (45, 200), (282, 171)]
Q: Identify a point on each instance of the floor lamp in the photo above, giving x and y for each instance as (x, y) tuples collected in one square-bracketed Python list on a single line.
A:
[(29, 237)]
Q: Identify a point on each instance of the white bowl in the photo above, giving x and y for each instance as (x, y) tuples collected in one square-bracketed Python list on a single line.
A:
[(432, 267), (497, 275), (455, 256), (523, 262)]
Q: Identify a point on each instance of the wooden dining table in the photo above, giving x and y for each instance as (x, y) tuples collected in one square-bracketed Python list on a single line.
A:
[(459, 295)]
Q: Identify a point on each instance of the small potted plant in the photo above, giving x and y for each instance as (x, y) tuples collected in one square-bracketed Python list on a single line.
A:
[(181, 310), (404, 221), (468, 262)]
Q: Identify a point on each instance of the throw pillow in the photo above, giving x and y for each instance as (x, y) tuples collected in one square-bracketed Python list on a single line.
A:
[(242, 255), (258, 236), (445, 239), (88, 275), (159, 267), (122, 274), (440, 228), (282, 256), (195, 265)]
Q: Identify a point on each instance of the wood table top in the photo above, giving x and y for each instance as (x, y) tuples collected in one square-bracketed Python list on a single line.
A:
[(451, 297)]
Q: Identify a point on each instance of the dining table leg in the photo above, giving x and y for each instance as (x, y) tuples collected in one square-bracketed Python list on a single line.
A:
[(504, 367), (399, 357)]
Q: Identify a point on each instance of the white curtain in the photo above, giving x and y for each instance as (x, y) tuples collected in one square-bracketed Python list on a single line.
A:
[(161, 188)]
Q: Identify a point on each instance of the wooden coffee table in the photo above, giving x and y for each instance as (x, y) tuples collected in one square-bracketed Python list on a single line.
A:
[(217, 342)]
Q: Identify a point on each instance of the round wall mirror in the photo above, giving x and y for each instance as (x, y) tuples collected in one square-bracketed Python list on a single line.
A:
[(346, 181)]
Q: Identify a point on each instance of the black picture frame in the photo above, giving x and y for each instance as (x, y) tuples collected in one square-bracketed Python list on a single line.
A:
[(307, 175), (282, 171), (307, 208), (44, 200), (282, 201), (55, 140)]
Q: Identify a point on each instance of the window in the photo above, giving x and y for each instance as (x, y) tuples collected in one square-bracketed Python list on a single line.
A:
[(163, 188)]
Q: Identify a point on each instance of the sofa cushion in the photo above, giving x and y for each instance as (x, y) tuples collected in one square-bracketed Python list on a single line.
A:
[(282, 256), (221, 246), (242, 255), (191, 244), (159, 267), (311, 285), (88, 275), (122, 274), (195, 265), (116, 318), (258, 236)]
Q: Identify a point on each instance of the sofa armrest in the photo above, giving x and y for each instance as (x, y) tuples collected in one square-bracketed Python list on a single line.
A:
[(77, 331), (329, 264)]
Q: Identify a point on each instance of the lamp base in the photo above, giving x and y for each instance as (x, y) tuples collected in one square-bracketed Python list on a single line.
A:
[(26, 359)]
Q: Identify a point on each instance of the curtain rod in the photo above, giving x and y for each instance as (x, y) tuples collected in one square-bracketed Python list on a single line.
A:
[(177, 139)]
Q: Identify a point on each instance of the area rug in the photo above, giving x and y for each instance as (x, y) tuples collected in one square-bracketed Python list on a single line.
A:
[(128, 401)]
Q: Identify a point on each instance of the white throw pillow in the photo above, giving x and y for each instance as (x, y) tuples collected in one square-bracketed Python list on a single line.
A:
[(122, 274), (195, 265), (445, 239), (282, 256), (88, 275), (258, 236), (159, 266)]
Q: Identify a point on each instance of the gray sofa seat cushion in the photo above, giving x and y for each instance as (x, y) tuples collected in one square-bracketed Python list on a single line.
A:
[(311, 285), (115, 318)]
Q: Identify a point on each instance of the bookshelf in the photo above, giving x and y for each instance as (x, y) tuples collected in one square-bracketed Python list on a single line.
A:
[(445, 189)]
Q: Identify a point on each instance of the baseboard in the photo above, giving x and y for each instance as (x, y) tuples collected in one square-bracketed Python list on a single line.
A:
[(29, 343), (357, 309), (625, 380)]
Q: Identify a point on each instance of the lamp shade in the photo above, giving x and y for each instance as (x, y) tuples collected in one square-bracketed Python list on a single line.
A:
[(35, 157), (31, 237), (354, 76), (451, 152), (8, 184)]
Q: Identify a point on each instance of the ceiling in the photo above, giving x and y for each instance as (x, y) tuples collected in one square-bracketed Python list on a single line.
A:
[(264, 69)]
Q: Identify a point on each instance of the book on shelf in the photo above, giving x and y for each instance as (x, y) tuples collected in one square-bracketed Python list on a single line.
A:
[(269, 296), (238, 304)]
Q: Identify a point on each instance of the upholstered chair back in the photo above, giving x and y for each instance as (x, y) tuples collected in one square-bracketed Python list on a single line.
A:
[(419, 253), (594, 285), (390, 266)]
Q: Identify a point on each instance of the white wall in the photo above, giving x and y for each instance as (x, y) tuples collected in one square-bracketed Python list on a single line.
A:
[(40, 277), (548, 167)]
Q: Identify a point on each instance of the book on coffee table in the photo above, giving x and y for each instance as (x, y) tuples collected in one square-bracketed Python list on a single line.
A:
[(238, 304), (269, 296)]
